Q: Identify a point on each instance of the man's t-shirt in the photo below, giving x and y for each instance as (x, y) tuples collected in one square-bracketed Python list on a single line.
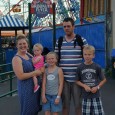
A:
[(70, 58)]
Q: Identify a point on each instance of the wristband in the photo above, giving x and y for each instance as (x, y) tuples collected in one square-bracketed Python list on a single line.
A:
[(98, 87), (58, 97)]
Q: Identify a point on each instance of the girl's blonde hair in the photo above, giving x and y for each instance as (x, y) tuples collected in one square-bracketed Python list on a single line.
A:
[(53, 54), (38, 46)]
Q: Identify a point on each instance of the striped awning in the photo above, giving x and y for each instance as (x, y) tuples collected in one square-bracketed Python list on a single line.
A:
[(9, 21)]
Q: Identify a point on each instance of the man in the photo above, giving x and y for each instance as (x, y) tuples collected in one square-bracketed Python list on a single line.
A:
[(70, 55)]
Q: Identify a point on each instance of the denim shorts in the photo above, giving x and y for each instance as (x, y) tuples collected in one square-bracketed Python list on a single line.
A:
[(50, 104)]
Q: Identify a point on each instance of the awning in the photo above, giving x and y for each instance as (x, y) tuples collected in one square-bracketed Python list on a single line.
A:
[(9, 21)]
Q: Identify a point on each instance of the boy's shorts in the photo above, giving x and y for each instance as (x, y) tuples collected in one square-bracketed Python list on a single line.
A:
[(93, 105), (50, 104)]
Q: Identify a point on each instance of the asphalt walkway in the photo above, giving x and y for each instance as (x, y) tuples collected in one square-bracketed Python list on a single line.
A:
[(10, 105)]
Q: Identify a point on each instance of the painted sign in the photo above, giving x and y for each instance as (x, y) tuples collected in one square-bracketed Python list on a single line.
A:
[(41, 7)]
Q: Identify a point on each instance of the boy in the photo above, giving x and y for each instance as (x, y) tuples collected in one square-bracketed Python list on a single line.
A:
[(91, 78)]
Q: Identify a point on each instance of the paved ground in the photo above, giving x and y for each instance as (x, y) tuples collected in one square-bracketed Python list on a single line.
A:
[(10, 105)]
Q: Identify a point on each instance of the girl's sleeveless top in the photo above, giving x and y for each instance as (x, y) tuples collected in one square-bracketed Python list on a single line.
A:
[(52, 82), (28, 99)]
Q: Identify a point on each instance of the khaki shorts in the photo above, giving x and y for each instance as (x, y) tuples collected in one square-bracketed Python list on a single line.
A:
[(71, 89)]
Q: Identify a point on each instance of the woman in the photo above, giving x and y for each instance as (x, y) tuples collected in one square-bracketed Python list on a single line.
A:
[(23, 69)]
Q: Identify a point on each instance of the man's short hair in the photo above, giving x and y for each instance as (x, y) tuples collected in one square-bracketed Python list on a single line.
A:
[(68, 19)]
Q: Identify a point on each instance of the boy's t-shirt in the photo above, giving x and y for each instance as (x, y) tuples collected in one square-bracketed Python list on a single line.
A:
[(90, 75)]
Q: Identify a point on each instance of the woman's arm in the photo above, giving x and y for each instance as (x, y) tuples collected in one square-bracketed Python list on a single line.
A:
[(18, 69)]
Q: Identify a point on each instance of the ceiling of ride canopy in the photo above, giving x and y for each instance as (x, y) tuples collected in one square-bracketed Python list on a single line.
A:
[(64, 8)]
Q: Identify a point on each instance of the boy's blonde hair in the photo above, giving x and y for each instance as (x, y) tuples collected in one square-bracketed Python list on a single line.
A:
[(39, 46), (89, 47), (53, 54)]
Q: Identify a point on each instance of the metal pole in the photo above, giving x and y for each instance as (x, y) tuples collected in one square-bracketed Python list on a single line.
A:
[(106, 45), (23, 12), (54, 26), (9, 7), (30, 35), (81, 11)]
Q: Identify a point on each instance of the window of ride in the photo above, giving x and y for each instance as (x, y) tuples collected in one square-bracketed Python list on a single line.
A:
[(16, 8), (8, 42)]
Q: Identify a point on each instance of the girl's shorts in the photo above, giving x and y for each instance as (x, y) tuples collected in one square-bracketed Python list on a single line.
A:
[(50, 104)]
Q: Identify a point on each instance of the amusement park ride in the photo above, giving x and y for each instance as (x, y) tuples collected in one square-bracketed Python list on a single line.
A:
[(84, 11), (63, 8)]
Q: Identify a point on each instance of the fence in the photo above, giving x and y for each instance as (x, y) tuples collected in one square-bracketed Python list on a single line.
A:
[(5, 77)]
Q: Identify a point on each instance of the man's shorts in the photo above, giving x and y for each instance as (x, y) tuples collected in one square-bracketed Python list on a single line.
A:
[(71, 89), (93, 105), (50, 104)]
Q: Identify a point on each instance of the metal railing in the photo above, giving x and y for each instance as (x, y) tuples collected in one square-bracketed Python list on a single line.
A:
[(7, 76)]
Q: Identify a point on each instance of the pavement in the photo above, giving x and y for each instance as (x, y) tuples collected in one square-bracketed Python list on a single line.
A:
[(10, 105)]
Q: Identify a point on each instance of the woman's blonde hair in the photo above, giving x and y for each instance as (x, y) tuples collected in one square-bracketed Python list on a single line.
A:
[(20, 37)]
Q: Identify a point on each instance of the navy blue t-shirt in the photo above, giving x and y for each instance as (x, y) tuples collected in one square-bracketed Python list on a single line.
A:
[(90, 75)]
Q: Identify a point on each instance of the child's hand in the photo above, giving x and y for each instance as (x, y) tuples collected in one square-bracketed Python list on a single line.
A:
[(57, 100), (94, 89), (37, 59), (87, 88), (44, 100)]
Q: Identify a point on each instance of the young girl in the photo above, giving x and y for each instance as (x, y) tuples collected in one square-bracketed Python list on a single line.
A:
[(52, 86), (38, 62)]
